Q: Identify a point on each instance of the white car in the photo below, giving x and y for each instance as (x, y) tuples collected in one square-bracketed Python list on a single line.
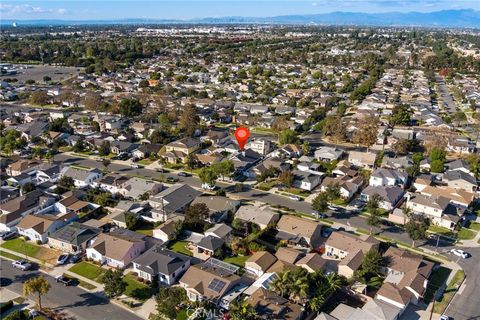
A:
[(22, 265), (295, 198), (460, 253), (134, 166)]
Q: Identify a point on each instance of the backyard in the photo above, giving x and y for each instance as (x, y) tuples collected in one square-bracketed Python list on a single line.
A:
[(180, 247), (237, 260)]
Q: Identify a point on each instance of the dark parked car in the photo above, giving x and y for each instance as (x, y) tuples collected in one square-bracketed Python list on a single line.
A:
[(65, 280), (183, 174), (75, 258)]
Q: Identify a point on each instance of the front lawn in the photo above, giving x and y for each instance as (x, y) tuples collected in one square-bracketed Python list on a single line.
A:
[(440, 230), (340, 202), (136, 289), (22, 247), (298, 192), (237, 260), (88, 270), (465, 234), (449, 292), (438, 277), (8, 255), (265, 186), (180, 247), (474, 226)]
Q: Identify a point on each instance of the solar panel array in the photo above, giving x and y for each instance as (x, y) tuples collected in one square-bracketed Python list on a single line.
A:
[(216, 285), (218, 264)]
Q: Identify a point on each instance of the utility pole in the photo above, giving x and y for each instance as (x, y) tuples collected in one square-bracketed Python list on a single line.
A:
[(433, 304)]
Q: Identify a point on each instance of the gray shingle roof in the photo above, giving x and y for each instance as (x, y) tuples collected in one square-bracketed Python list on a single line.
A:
[(160, 260)]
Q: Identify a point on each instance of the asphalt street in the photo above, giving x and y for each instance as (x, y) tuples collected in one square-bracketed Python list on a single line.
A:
[(72, 300), (445, 96), (465, 305)]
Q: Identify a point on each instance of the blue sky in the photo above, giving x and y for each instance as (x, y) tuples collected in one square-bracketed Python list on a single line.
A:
[(162, 9)]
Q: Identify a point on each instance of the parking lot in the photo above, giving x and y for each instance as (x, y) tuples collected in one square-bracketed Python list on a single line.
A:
[(37, 72)]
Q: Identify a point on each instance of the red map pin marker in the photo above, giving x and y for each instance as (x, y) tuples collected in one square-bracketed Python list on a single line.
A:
[(242, 134)]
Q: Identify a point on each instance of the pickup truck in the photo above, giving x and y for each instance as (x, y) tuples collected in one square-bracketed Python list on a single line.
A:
[(22, 265)]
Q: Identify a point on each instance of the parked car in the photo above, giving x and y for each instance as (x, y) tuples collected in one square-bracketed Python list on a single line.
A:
[(326, 232), (65, 280), (7, 235), (160, 170), (63, 259), (100, 159), (444, 317), (134, 166), (75, 258), (22, 265), (171, 180), (295, 198), (183, 174), (460, 253)]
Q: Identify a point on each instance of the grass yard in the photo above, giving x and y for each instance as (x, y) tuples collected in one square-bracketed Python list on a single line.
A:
[(439, 276), (237, 260), (449, 292), (466, 234), (88, 270), (8, 255), (182, 315), (298, 192), (145, 228), (440, 230), (180, 247), (474, 226), (265, 186), (340, 202), (22, 247), (136, 289)]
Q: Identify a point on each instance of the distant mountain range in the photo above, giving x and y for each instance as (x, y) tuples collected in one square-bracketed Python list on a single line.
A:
[(465, 18)]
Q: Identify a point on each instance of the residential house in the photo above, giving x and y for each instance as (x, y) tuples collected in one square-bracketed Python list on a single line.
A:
[(288, 151), (112, 182), (437, 208), (259, 262), (244, 160), (348, 186), (165, 231), (404, 270), (172, 201), (306, 180), (206, 283), (134, 188), (362, 159), (161, 264), (15, 209), (37, 227), (388, 177), (179, 150), (219, 230), (20, 166), (299, 231), (117, 248), (220, 207), (146, 150), (272, 306), (8, 193), (272, 162), (118, 147), (312, 262), (47, 172), (73, 237), (349, 248), (261, 146), (328, 154), (207, 247), (390, 196), (81, 177), (459, 179), (262, 217)]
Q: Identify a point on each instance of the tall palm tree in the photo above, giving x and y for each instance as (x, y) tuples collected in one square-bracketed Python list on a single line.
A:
[(282, 283)]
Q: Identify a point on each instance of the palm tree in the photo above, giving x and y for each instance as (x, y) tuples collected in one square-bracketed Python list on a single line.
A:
[(299, 289), (282, 283)]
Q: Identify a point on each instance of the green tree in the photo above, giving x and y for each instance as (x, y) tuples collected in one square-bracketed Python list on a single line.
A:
[(38, 286), (320, 203), (417, 228), (242, 310), (66, 183), (370, 266), (189, 120), (367, 130), (114, 285), (39, 98), (287, 136), (196, 216), (208, 176), (333, 191), (106, 162), (131, 220), (167, 300), (130, 107), (104, 149), (286, 178), (400, 115), (17, 315)]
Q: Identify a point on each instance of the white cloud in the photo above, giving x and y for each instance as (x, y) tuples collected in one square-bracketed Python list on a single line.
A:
[(27, 9)]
